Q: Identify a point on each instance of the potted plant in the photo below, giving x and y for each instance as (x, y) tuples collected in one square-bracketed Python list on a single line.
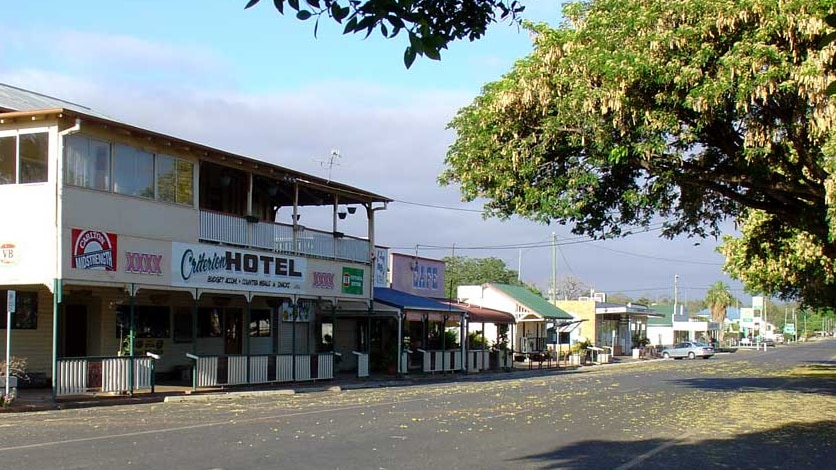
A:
[(17, 374), (578, 352), (639, 345), (390, 358)]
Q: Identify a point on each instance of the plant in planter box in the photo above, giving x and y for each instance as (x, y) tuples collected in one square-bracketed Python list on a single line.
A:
[(580, 350), (17, 369)]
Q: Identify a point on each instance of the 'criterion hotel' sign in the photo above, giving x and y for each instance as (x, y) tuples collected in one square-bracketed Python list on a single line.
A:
[(233, 269)]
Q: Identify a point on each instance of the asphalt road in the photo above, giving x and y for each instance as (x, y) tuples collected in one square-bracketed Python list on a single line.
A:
[(774, 409)]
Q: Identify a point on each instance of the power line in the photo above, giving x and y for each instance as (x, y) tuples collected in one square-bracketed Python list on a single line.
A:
[(517, 246), (432, 206), (706, 263)]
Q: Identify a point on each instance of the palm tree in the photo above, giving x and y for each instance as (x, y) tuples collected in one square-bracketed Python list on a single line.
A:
[(717, 299)]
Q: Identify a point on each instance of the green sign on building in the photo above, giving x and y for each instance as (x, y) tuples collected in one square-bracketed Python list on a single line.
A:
[(352, 281)]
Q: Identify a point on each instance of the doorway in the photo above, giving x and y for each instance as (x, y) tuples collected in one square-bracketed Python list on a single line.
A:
[(75, 330), (233, 331)]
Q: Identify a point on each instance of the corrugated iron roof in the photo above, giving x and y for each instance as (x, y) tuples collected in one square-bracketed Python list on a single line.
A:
[(532, 301), (17, 102), (13, 98), (407, 301), (477, 314)]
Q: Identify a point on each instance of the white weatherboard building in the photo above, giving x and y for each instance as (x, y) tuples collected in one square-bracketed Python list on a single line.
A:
[(122, 244)]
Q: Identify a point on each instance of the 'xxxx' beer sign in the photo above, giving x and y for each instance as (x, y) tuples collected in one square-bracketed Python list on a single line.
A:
[(143, 263)]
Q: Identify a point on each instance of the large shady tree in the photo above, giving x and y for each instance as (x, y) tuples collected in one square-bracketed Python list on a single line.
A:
[(462, 270), (690, 113), (429, 25)]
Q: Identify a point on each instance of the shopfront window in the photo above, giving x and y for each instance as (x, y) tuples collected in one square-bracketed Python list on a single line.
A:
[(25, 316), (209, 322), (259, 322), (149, 321), (183, 325)]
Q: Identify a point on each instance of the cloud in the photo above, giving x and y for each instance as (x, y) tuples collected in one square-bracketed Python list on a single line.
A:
[(392, 141), (117, 58)]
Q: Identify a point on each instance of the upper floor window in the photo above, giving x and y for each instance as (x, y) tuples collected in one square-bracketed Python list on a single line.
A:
[(124, 169), (25, 316), (24, 158), (87, 163), (133, 172), (174, 180)]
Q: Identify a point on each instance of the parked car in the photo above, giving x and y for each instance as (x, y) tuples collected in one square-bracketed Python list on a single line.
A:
[(689, 349)]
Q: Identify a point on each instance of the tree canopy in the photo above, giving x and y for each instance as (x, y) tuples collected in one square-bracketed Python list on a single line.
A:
[(462, 271), (430, 25), (686, 113)]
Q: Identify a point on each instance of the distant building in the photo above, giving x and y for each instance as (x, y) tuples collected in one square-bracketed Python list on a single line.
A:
[(607, 324), (533, 314)]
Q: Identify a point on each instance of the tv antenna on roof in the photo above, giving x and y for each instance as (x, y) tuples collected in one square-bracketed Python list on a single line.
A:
[(331, 162)]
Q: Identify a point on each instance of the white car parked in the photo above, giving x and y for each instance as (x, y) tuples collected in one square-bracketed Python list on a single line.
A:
[(689, 349)]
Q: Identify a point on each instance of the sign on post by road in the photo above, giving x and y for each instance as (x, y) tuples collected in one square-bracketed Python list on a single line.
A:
[(789, 328)]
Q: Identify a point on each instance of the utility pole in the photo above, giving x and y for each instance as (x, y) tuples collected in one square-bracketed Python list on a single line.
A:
[(554, 268), (519, 267), (795, 322), (675, 293)]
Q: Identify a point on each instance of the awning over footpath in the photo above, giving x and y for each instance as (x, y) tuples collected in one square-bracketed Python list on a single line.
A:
[(416, 307), (476, 314), (569, 326), (356, 307), (629, 310)]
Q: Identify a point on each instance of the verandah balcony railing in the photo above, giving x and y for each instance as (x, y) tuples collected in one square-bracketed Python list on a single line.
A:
[(233, 230)]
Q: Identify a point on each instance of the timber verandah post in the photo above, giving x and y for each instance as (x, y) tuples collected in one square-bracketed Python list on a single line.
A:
[(131, 337), (245, 331), (293, 312), (57, 297), (334, 337)]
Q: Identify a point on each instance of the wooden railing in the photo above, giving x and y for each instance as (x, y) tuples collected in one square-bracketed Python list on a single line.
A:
[(441, 361), (362, 364), (216, 371), (217, 227), (85, 375), (478, 360)]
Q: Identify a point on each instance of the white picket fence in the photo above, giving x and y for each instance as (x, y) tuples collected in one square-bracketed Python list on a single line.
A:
[(243, 370), (362, 364), (79, 376), (478, 360), (441, 361)]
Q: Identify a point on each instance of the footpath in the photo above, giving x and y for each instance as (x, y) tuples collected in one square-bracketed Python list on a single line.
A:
[(41, 399)]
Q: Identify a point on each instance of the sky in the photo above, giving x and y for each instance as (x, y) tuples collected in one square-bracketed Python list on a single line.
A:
[(262, 85)]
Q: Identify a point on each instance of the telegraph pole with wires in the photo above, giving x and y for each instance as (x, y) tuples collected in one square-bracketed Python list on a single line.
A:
[(553, 295)]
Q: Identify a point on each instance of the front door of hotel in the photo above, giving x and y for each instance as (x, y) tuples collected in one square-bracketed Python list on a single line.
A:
[(233, 324), (75, 330)]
